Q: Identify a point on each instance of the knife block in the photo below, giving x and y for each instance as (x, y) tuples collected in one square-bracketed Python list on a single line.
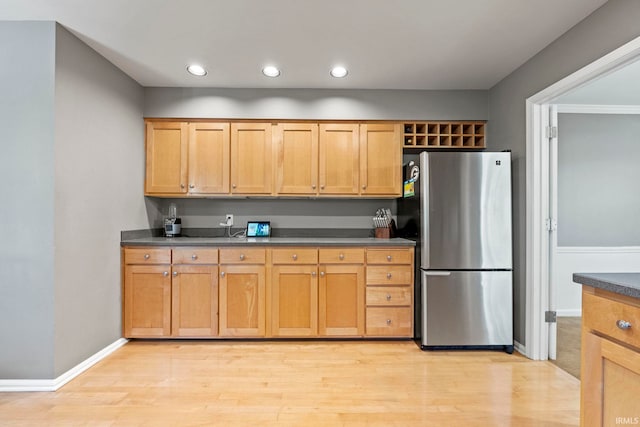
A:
[(386, 232)]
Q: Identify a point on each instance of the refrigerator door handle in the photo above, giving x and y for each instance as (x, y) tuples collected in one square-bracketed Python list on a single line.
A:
[(437, 273)]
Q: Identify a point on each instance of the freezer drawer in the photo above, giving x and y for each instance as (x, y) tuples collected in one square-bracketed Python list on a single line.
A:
[(467, 308)]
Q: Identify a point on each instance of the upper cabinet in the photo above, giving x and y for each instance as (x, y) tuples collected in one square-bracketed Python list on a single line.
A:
[(381, 159), (251, 158), (166, 158), (207, 158)]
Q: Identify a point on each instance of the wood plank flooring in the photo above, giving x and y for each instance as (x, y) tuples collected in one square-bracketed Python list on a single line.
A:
[(568, 344), (292, 383)]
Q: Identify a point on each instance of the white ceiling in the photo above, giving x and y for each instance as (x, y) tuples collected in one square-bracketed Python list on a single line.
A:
[(401, 44)]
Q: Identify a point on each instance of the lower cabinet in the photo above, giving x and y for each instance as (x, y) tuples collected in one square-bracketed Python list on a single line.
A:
[(610, 370), (249, 292)]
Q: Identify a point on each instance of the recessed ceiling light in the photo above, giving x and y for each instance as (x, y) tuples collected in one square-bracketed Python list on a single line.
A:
[(339, 72), (196, 70), (270, 71)]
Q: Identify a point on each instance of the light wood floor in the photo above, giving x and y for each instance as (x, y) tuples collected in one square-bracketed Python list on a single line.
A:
[(568, 345), (303, 384)]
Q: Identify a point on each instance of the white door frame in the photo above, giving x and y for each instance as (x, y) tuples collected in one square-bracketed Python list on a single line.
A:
[(537, 192)]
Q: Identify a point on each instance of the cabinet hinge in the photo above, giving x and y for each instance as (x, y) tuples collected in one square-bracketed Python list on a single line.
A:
[(550, 316), (552, 132), (551, 224)]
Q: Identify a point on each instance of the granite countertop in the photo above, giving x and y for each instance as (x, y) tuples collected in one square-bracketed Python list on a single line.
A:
[(270, 241), (621, 283)]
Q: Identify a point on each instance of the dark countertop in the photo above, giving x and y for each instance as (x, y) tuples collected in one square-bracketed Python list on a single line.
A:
[(621, 283), (271, 241)]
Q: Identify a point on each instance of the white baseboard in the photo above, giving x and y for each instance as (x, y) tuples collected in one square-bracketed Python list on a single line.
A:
[(568, 312), (520, 348), (55, 384)]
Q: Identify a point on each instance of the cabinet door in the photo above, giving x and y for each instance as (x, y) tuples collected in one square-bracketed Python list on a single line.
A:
[(242, 300), (297, 158), (209, 145), (194, 301), (610, 376), (341, 300), (381, 159), (339, 159), (166, 163), (294, 301), (147, 301), (251, 158)]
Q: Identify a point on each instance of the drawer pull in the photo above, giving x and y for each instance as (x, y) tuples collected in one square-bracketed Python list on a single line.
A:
[(388, 297), (194, 257), (241, 257), (388, 321), (388, 275), (389, 258), (222, 274), (322, 274), (623, 324), (295, 257), (313, 274), (341, 256), (165, 273), (175, 273), (147, 256)]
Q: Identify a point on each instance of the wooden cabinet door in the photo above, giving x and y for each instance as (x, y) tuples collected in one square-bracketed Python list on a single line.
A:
[(341, 300), (251, 158), (297, 158), (339, 159), (209, 145), (166, 162), (381, 159), (610, 376), (294, 301), (242, 300), (147, 301), (194, 301)]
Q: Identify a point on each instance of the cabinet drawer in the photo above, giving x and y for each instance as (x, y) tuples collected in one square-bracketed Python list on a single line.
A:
[(147, 256), (195, 256), (389, 321), (294, 256), (389, 256), (602, 315), (341, 255), (242, 256), (389, 275), (389, 295)]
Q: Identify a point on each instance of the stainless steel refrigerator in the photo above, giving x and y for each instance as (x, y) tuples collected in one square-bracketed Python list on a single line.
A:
[(457, 206)]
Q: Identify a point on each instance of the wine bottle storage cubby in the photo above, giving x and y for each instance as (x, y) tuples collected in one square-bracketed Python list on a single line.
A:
[(445, 135)]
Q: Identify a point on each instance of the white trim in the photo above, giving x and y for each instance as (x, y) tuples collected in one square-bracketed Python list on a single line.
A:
[(520, 348), (53, 385), (598, 109), (598, 249), (569, 313), (537, 191)]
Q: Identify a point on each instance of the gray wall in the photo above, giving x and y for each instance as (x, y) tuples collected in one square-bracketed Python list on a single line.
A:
[(598, 176), (99, 176), (26, 189), (304, 104), (609, 27)]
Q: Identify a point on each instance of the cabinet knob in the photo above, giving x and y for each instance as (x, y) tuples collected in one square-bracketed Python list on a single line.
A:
[(341, 256), (388, 275), (241, 257), (165, 273), (222, 274), (364, 187), (182, 186), (194, 257), (313, 274), (147, 256), (295, 257), (233, 186), (192, 186), (389, 322), (175, 273), (322, 274), (389, 258), (388, 297), (322, 187), (623, 324), (313, 187)]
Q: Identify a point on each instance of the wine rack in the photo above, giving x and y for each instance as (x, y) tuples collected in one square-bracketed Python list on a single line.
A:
[(465, 135)]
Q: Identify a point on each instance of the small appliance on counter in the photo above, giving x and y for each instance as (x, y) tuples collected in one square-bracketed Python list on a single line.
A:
[(172, 224)]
